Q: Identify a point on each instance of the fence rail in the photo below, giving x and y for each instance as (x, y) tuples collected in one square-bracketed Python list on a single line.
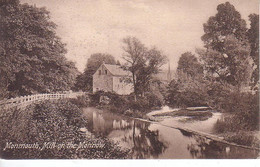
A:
[(26, 100)]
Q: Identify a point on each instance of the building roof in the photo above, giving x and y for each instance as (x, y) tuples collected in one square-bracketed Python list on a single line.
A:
[(116, 70)]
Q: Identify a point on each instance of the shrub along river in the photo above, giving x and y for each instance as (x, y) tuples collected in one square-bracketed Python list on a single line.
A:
[(151, 140)]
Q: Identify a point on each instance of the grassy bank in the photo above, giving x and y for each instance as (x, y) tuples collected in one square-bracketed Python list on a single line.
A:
[(233, 129), (241, 119), (247, 138), (56, 123)]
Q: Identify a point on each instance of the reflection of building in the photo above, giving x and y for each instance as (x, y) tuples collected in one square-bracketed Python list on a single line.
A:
[(128, 133), (120, 124), (112, 78)]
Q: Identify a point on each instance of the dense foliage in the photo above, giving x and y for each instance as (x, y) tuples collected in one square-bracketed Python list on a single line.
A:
[(253, 37), (227, 55), (230, 65), (226, 22), (233, 67), (188, 64), (243, 112), (51, 121), (189, 88), (32, 56), (126, 104)]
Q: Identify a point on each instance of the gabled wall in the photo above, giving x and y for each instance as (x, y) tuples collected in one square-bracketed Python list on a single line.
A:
[(110, 83), (102, 81)]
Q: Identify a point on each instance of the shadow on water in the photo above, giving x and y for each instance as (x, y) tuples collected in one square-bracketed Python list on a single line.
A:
[(148, 140), (209, 149)]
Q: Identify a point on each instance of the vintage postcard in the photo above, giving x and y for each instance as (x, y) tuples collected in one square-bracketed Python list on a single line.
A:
[(129, 79)]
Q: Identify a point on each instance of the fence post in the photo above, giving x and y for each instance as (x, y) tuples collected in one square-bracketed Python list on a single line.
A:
[(26, 100)]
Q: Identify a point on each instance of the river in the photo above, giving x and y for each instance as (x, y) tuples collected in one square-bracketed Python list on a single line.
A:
[(154, 141)]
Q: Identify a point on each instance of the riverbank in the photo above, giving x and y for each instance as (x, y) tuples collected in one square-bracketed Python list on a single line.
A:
[(194, 118), (138, 109), (200, 121), (247, 138), (57, 129), (125, 104), (150, 139)]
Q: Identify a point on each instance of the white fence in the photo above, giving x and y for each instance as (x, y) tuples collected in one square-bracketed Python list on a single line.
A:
[(26, 100)]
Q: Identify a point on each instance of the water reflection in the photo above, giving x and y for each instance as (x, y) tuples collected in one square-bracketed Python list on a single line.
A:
[(208, 149), (129, 133), (148, 140)]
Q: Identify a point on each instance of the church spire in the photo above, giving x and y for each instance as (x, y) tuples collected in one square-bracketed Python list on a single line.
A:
[(169, 76)]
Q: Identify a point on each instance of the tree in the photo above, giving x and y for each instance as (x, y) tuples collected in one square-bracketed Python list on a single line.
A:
[(134, 56), (154, 59), (173, 94), (189, 88), (85, 80), (228, 61), (226, 58), (234, 67), (187, 92), (226, 22), (189, 65), (32, 55), (142, 63), (253, 37)]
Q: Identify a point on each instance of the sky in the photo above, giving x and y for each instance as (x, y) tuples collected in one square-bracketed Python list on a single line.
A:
[(98, 26)]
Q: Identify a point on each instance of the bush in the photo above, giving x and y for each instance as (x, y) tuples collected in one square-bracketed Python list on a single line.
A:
[(242, 138), (188, 98), (95, 97), (192, 98), (217, 95), (180, 95), (141, 104), (154, 99), (125, 104), (243, 109), (227, 124), (111, 101), (50, 121), (118, 102), (81, 101)]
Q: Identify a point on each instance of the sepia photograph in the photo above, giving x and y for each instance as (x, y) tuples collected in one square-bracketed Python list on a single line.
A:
[(129, 79)]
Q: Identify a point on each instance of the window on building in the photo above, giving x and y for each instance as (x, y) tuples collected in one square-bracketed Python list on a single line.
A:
[(106, 72), (99, 72)]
